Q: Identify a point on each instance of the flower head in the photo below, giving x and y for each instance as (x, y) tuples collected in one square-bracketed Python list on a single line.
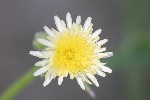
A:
[(73, 50)]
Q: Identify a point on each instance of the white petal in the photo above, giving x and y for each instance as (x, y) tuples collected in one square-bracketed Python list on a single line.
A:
[(80, 82), (71, 76), (95, 39), (60, 80), (96, 33), (41, 63), (110, 54), (102, 55), (93, 79), (105, 55), (36, 53), (46, 42), (43, 54), (101, 73), (47, 81), (101, 42), (47, 54), (69, 20), (101, 50), (99, 64), (40, 71), (48, 31), (58, 23), (86, 79), (78, 20), (87, 24), (106, 69)]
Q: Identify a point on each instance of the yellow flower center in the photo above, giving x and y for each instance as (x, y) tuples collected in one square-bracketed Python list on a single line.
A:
[(73, 54)]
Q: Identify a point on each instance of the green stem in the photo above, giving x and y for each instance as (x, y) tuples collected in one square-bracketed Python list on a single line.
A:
[(19, 85)]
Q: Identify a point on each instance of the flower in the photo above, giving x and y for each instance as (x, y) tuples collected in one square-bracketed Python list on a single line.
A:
[(72, 50)]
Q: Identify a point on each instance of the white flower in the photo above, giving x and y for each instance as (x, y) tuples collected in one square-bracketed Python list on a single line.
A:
[(72, 50)]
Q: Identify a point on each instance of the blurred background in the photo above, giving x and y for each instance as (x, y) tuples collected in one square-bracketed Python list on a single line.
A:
[(125, 23)]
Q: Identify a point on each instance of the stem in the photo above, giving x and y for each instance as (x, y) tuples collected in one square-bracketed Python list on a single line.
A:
[(19, 85)]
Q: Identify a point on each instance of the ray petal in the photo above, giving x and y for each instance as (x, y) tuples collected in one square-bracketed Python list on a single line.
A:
[(105, 55), (93, 79), (40, 71), (102, 42), (60, 80), (100, 73), (100, 50), (41, 63), (106, 69), (48, 31), (36, 53), (58, 23), (47, 81), (80, 82), (69, 20), (96, 33), (78, 20), (87, 23), (46, 42)]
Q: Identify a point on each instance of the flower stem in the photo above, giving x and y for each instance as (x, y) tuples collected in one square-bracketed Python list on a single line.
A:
[(19, 85)]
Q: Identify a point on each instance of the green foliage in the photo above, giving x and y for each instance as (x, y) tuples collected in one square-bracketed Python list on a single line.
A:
[(36, 44)]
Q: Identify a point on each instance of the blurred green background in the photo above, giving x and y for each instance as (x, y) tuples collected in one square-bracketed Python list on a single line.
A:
[(126, 23)]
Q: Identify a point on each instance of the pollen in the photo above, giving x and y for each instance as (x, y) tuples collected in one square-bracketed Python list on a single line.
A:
[(73, 54)]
